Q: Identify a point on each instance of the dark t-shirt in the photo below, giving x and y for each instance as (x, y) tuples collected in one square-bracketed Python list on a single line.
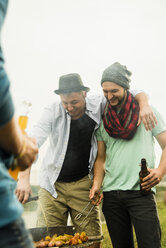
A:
[(76, 162)]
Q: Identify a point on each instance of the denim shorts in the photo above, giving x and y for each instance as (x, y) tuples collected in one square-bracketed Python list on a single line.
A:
[(15, 235), (124, 210)]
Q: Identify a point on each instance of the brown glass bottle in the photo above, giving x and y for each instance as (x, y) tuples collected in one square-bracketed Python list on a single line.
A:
[(143, 173)]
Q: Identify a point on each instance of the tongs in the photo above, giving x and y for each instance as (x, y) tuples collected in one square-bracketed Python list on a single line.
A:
[(95, 199), (32, 198)]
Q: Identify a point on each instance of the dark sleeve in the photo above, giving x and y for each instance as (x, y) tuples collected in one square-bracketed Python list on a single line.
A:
[(3, 10), (6, 103), (6, 109)]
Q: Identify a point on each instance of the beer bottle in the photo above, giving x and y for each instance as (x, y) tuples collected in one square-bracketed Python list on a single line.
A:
[(143, 173)]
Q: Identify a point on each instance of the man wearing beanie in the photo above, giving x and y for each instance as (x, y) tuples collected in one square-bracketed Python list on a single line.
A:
[(121, 146)]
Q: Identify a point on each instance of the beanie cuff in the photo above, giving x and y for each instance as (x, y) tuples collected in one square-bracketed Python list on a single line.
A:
[(116, 82)]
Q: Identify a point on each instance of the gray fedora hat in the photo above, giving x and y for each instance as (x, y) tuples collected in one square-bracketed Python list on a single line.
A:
[(70, 83)]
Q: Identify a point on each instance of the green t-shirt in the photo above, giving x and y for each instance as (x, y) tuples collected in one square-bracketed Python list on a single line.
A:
[(124, 156)]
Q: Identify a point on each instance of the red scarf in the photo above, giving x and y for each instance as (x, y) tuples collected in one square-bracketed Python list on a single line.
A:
[(124, 124)]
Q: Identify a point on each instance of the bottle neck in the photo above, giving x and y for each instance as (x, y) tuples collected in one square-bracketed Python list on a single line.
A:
[(143, 167)]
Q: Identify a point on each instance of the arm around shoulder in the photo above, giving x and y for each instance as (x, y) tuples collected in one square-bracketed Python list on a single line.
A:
[(146, 114)]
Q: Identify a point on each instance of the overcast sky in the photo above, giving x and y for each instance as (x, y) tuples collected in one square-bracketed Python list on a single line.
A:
[(44, 39)]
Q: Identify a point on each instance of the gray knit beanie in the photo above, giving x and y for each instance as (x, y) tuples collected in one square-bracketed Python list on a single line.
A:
[(118, 74)]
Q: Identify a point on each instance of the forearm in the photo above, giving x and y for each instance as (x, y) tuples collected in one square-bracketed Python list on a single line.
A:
[(146, 114), (142, 99), (162, 164), (25, 175), (23, 190), (11, 137), (99, 173)]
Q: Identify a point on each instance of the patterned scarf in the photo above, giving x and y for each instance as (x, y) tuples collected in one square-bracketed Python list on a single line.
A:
[(123, 124)]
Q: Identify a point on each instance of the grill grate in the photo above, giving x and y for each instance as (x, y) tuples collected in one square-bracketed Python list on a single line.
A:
[(39, 232)]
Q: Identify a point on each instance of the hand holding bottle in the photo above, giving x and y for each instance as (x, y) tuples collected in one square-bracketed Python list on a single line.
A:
[(155, 176), (142, 175)]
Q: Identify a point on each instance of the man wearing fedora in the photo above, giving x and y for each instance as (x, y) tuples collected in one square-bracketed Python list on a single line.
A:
[(121, 146), (65, 174)]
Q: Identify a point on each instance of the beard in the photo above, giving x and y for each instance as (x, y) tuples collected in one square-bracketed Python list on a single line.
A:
[(120, 100)]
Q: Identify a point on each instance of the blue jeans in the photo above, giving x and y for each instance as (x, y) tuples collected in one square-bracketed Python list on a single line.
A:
[(15, 235), (125, 209)]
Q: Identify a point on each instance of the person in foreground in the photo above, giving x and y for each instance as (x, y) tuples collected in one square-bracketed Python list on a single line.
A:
[(12, 144), (121, 146), (64, 174)]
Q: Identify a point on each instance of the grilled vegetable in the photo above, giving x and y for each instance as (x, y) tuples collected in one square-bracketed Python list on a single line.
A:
[(61, 240), (41, 243)]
